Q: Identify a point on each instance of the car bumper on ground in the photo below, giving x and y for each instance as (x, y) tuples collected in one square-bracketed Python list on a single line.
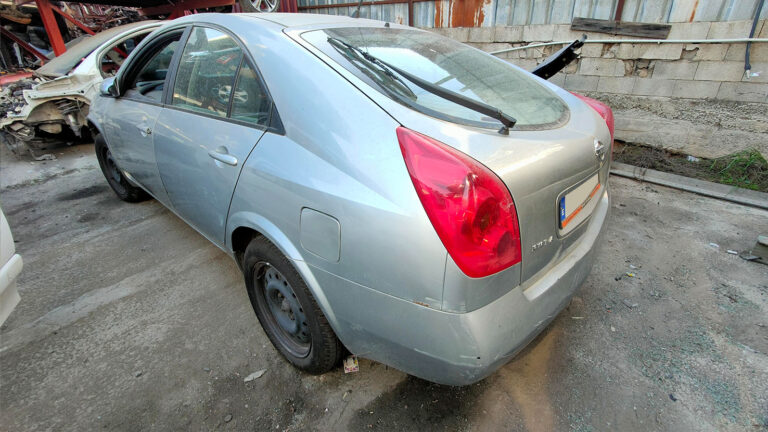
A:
[(9, 294), (458, 348)]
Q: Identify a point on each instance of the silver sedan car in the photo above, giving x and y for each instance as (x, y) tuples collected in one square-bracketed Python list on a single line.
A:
[(385, 190)]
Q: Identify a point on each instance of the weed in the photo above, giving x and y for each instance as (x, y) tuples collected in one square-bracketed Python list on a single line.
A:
[(746, 169)]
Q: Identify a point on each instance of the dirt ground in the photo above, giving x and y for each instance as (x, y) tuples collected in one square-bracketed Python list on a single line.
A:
[(130, 320)]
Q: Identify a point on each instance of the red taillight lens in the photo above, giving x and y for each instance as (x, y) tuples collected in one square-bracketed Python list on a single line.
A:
[(604, 110), (469, 206)]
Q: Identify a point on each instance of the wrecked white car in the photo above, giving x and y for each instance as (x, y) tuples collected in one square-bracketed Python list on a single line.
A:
[(53, 105)]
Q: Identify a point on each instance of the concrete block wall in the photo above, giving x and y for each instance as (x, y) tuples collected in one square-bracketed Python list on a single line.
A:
[(689, 71)]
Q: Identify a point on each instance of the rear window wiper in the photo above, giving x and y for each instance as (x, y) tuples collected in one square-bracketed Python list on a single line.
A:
[(506, 120), (395, 84)]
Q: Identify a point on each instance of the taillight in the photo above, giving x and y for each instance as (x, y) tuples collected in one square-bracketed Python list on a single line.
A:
[(604, 110), (469, 206)]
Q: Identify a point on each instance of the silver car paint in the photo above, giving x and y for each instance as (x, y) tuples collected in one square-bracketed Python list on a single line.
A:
[(394, 295), (183, 162)]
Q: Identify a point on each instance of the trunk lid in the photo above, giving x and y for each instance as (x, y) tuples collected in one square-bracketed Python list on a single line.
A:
[(539, 167)]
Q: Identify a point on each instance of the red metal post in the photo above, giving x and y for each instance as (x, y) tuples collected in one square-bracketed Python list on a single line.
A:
[(619, 11), (49, 21), (288, 6)]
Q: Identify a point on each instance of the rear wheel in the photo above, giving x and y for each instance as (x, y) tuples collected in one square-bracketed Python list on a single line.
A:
[(259, 5), (287, 311), (117, 181)]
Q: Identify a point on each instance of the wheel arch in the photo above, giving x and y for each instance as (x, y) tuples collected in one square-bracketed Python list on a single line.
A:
[(244, 226), (95, 130)]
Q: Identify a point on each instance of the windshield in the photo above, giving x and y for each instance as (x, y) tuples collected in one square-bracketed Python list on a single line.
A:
[(448, 64)]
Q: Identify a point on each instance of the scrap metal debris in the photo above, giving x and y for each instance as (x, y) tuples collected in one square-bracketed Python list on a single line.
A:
[(27, 129), (256, 375), (351, 365)]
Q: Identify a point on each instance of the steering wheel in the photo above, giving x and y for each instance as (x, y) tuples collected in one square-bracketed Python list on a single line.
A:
[(222, 94)]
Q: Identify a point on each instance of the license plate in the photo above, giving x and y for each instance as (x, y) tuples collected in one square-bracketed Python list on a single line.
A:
[(574, 202)]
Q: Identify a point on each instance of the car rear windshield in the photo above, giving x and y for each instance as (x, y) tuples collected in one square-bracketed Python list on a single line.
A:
[(446, 63)]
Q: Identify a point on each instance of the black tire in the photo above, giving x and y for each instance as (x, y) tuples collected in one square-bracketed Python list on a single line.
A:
[(117, 181), (311, 345)]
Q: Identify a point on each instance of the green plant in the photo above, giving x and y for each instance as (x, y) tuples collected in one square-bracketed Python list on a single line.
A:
[(747, 169)]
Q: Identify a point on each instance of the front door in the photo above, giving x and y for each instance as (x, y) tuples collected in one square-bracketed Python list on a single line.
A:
[(218, 111), (134, 116)]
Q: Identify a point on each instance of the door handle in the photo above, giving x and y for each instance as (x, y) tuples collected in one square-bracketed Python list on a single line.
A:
[(222, 155), (144, 129)]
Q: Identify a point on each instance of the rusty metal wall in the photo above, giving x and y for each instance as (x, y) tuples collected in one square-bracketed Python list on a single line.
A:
[(477, 13)]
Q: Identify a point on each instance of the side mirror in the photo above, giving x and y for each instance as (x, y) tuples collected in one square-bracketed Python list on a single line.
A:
[(109, 88)]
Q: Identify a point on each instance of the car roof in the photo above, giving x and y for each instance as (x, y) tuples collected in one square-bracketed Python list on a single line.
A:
[(306, 19), (64, 63)]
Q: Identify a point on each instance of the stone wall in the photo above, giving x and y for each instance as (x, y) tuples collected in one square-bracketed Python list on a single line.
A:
[(635, 76)]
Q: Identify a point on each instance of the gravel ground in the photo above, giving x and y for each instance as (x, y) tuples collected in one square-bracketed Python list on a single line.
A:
[(130, 320)]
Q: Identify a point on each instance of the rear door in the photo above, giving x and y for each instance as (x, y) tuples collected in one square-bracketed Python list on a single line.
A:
[(215, 115)]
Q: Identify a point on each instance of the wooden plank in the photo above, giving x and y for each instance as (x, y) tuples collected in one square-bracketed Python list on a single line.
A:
[(650, 31)]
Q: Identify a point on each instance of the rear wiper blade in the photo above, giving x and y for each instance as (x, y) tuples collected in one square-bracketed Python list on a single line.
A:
[(506, 120), (358, 59)]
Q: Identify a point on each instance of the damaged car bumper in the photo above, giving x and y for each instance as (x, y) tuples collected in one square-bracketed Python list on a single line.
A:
[(46, 109)]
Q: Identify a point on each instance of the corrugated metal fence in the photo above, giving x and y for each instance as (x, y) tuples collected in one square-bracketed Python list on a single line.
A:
[(476, 13)]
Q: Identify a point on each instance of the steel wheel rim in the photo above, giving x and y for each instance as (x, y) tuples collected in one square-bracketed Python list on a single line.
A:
[(280, 305)]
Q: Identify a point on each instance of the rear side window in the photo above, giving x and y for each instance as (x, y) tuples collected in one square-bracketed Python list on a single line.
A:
[(206, 73), (446, 63), (250, 102)]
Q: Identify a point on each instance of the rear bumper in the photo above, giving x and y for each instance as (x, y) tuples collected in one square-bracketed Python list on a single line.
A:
[(458, 348)]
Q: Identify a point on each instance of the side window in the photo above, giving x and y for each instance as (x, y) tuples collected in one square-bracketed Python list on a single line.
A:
[(113, 59), (207, 72), (150, 78), (250, 102)]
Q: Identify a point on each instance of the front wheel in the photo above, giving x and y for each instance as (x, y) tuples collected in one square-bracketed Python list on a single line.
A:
[(117, 181), (287, 311), (259, 5)]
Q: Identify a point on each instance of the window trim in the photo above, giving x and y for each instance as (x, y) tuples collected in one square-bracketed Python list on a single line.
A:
[(274, 124), (140, 61), (235, 83), (168, 99), (174, 66)]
